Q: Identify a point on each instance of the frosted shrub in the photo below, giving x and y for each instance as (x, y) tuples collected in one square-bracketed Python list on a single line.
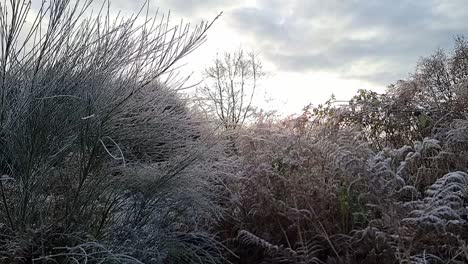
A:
[(97, 150)]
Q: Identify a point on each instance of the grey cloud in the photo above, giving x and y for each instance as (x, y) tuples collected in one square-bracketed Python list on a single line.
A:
[(188, 9), (191, 7), (322, 35), (261, 23), (183, 8), (317, 35)]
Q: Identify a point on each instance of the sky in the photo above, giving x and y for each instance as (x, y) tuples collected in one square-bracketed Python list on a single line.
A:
[(311, 49)]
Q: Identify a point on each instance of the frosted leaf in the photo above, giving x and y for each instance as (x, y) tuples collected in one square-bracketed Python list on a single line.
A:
[(425, 258), (402, 152), (428, 145), (6, 178), (400, 181), (451, 183), (445, 212), (413, 156), (444, 202), (409, 191)]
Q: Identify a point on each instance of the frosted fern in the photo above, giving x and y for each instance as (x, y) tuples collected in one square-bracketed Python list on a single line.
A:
[(444, 203)]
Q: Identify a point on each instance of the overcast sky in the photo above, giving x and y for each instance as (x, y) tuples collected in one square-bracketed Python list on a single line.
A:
[(313, 48)]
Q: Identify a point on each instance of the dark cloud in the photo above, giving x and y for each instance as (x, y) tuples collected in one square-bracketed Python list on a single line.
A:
[(311, 35)]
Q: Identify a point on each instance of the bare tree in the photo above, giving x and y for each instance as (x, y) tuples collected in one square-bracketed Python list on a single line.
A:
[(230, 86)]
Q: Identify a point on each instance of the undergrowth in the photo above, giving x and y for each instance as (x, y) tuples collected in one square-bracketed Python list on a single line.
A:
[(103, 161)]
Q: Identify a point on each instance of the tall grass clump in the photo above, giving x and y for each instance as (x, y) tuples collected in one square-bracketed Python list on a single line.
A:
[(101, 161)]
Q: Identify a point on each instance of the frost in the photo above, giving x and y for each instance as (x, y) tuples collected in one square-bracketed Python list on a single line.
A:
[(444, 202)]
